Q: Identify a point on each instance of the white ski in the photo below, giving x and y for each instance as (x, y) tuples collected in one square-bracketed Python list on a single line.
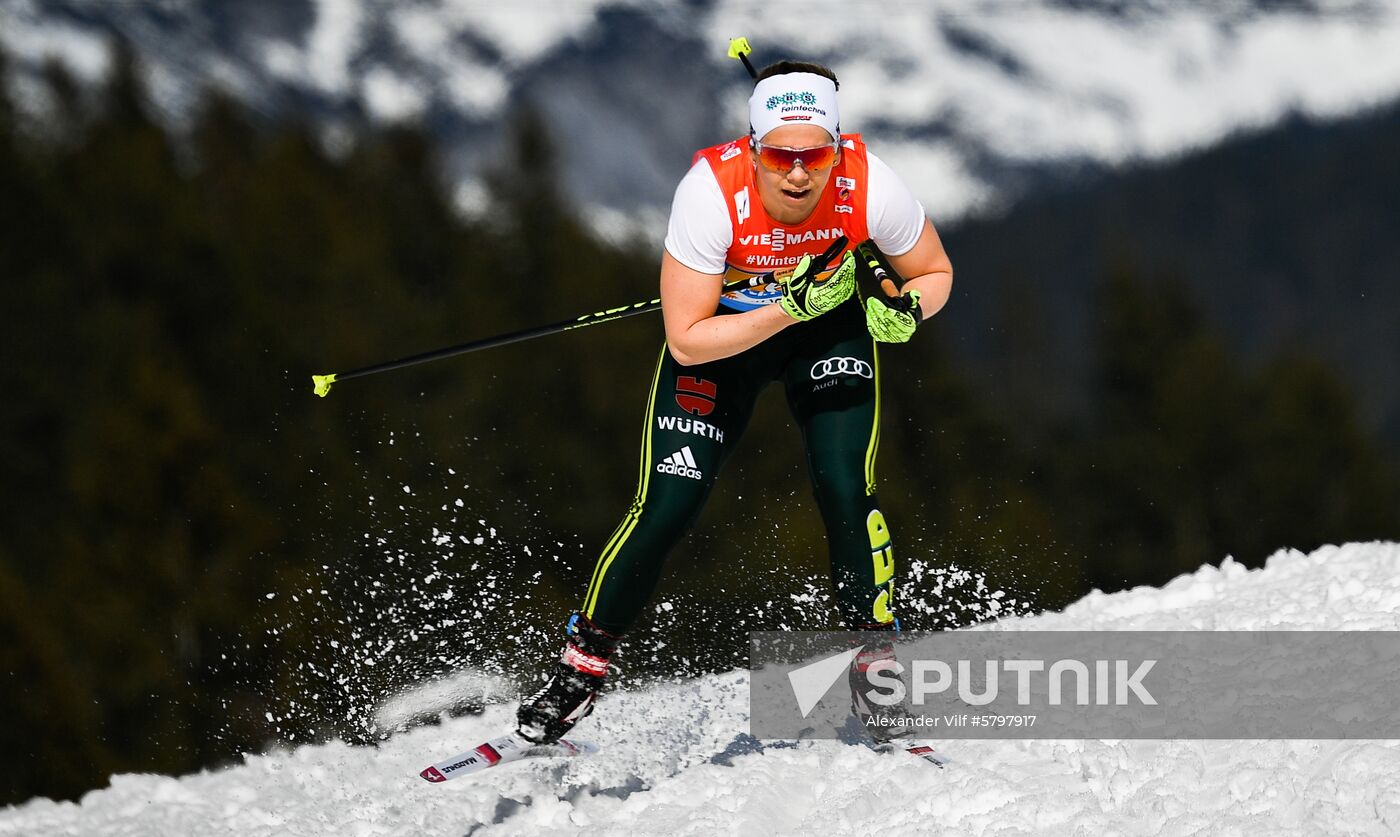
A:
[(499, 751), (917, 750)]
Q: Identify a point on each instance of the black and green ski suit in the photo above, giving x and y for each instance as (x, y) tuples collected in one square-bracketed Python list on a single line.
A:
[(830, 372)]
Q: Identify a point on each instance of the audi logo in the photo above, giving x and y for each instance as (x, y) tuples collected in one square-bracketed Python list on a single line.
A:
[(841, 366)]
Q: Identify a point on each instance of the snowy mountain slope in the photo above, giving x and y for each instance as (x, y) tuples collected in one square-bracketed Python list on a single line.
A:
[(676, 760), (969, 99)]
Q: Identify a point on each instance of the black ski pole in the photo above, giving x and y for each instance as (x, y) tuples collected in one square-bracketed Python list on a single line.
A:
[(322, 383)]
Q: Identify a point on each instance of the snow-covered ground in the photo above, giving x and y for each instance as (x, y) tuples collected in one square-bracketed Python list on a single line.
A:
[(676, 759)]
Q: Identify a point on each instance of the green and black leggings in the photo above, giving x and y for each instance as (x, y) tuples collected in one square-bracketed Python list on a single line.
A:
[(694, 417)]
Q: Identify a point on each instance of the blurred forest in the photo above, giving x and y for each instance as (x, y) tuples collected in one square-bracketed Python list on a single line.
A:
[(201, 559)]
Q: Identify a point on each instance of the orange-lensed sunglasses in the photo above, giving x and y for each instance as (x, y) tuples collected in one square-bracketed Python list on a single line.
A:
[(780, 159)]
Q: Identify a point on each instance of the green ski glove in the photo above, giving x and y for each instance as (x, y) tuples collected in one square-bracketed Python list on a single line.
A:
[(890, 316), (893, 319), (805, 296)]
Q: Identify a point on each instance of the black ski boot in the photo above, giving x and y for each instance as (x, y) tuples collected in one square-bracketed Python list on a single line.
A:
[(884, 723), (567, 697)]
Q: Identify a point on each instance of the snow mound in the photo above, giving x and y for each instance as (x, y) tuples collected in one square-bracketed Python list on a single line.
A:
[(676, 759), (1336, 588)]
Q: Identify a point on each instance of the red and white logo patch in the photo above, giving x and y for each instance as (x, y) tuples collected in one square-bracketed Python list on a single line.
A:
[(586, 663), (696, 396)]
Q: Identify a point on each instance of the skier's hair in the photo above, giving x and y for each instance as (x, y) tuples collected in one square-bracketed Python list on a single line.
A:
[(778, 68)]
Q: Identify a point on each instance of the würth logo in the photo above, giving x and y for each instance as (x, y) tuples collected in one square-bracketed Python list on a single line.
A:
[(686, 425), (695, 395), (681, 463)]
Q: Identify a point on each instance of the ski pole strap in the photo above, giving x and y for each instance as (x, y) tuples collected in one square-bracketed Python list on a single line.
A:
[(872, 260)]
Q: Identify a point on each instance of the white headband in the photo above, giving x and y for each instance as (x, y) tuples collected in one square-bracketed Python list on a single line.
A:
[(794, 99)]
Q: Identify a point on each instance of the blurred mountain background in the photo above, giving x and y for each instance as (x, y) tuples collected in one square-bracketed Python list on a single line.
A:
[(1172, 335)]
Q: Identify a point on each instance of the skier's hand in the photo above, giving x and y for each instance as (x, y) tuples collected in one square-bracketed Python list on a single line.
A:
[(891, 315), (892, 318), (805, 296)]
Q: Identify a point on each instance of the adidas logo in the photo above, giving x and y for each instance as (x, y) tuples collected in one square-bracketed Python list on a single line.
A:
[(681, 463)]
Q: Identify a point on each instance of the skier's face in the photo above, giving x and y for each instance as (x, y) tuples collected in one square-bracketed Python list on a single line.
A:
[(791, 196)]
